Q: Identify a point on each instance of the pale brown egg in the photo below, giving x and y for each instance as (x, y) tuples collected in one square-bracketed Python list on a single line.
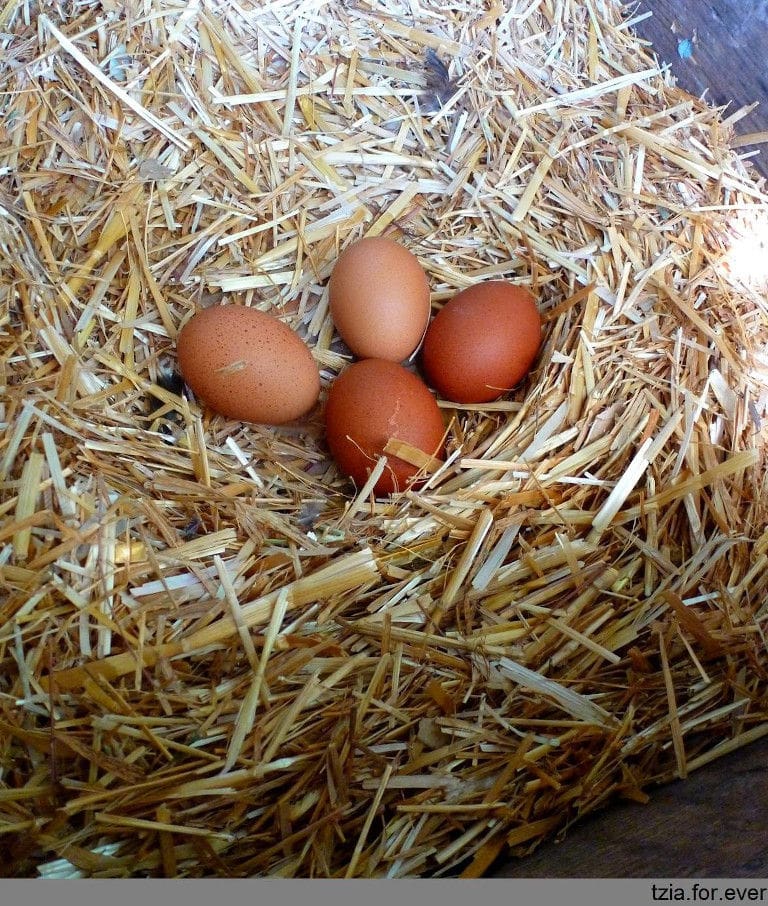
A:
[(379, 299), (372, 402), (246, 364)]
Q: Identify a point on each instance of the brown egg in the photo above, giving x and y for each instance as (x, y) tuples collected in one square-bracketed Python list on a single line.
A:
[(371, 402), (482, 342), (247, 365), (379, 299)]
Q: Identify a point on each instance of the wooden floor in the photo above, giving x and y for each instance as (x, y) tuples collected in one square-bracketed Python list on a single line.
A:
[(716, 49), (715, 823), (712, 825)]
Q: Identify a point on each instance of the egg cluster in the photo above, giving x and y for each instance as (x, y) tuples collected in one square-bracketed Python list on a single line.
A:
[(248, 365)]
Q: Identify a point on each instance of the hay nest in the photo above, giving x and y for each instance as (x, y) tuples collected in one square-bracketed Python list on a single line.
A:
[(218, 659)]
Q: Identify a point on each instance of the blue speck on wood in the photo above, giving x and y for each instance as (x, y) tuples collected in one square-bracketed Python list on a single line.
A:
[(685, 48)]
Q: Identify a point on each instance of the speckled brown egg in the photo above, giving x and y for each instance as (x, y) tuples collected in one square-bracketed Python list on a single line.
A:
[(371, 402), (379, 299), (246, 364), (482, 342)]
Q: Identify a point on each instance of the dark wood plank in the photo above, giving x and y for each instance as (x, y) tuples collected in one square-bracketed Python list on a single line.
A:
[(712, 825), (729, 41)]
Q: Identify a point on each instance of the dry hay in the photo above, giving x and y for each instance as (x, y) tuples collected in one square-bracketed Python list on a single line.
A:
[(215, 659)]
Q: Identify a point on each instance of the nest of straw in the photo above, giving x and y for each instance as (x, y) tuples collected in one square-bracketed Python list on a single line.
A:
[(218, 659)]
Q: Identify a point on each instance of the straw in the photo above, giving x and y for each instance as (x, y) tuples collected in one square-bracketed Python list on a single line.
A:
[(220, 658)]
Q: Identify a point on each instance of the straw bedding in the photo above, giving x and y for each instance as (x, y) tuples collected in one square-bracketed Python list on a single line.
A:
[(218, 658)]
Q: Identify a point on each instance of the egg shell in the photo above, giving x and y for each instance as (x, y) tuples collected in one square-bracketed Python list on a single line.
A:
[(246, 364), (482, 342), (379, 299), (370, 402)]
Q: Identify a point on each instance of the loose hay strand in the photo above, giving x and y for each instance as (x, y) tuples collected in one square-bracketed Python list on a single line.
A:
[(219, 658), (247, 713)]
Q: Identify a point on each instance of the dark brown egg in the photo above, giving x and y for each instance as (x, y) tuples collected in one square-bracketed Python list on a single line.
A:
[(372, 402), (483, 342)]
